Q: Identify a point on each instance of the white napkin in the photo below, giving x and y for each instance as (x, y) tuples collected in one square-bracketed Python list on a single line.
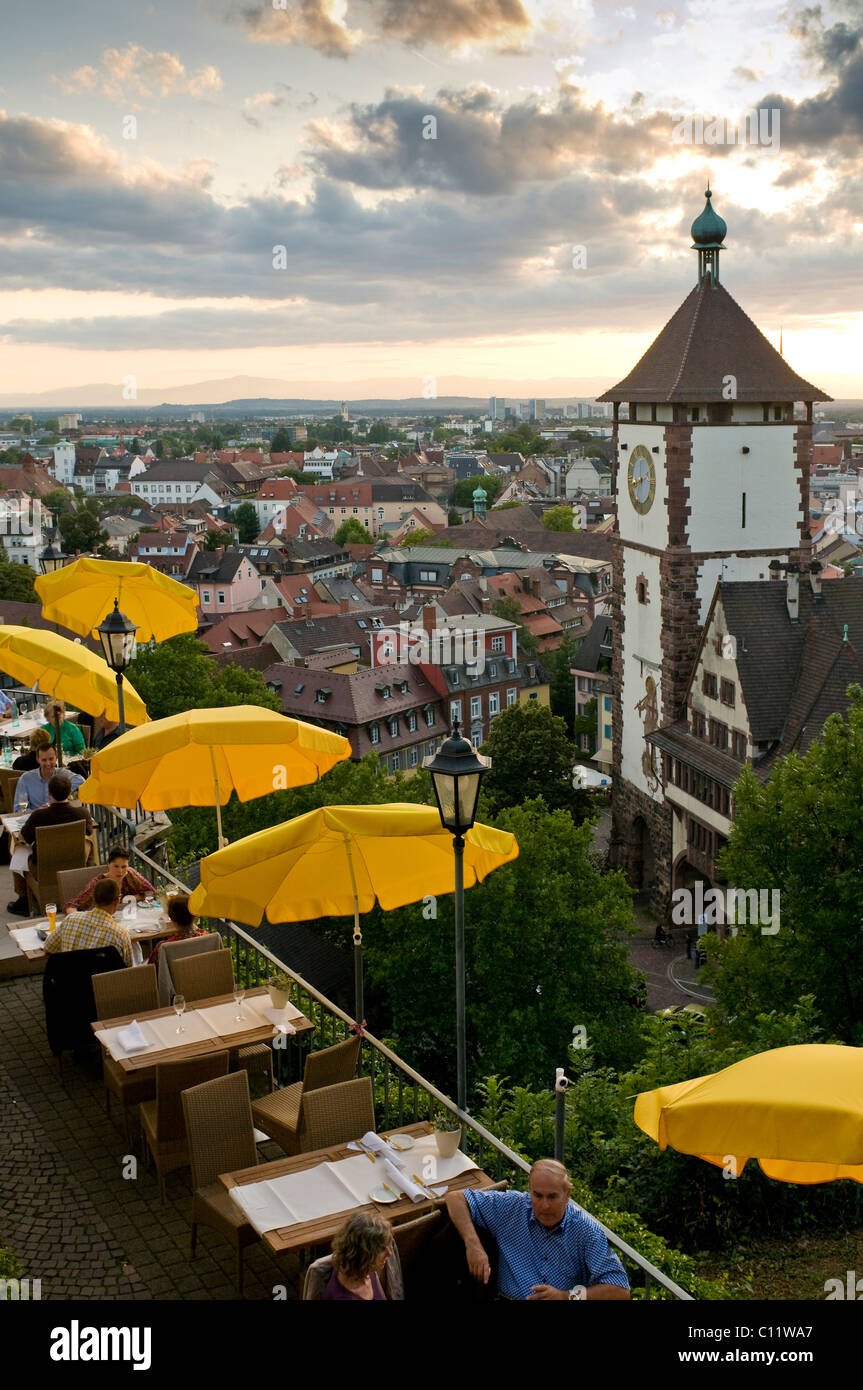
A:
[(402, 1183), (279, 1020), (131, 1039), (379, 1147)]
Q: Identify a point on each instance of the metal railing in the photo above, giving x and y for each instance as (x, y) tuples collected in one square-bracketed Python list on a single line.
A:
[(402, 1095)]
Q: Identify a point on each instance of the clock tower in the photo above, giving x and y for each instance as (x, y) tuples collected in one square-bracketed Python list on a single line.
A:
[(713, 451)]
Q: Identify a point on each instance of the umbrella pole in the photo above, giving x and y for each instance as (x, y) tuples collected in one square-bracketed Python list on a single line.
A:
[(358, 965), (222, 840), (461, 1030), (58, 742)]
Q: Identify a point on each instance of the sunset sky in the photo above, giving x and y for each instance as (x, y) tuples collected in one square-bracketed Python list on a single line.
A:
[(152, 157)]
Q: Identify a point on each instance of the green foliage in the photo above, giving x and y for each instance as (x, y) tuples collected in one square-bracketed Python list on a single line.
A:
[(16, 582), (531, 757), (544, 950), (801, 833), (506, 506), (558, 519), (353, 531), (245, 518), (522, 439), (464, 490), (10, 1267), (454, 517), (179, 674), (82, 530), (586, 723), (562, 683), (381, 433), (281, 442), (421, 536)]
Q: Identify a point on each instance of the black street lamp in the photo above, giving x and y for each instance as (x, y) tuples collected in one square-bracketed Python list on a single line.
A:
[(117, 635), (456, 770), (52, 557)]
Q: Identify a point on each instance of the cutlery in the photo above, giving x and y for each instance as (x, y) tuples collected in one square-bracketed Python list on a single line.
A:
[(368, 1153)]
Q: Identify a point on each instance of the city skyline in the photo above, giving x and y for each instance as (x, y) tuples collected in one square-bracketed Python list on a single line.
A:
[(496, 195)]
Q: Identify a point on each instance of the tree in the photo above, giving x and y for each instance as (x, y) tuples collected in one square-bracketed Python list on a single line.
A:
[(421, 536), (545, 950), (558, 519), (16, 582), (81, 530), (800, 834), (135, 446), (454, 517), (510, 608), (562, 684), (281, 442), (213, 540), (180, 674), (586, 723), (464, 491), (352, 530), (506, 506), (58, 501), (531, 756), (245, 519), (382, 433)]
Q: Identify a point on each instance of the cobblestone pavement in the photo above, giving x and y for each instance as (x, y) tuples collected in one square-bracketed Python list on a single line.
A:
[(671, 978), (65, 1208)]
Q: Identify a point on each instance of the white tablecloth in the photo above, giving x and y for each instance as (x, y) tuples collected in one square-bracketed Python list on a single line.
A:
[(330, 1188)]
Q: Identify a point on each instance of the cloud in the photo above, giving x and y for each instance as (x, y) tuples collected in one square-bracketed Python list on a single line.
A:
[(255, 106), (324, 24), (477, 145), (316, 23), (133, 74)]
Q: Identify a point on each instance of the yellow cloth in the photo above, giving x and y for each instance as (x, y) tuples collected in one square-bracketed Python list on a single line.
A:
[(797, 1110)]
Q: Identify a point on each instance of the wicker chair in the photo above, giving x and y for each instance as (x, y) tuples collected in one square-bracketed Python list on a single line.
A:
[(162, 1122), (122, 992), (71, 882), (8, 783), (58, 847), (206, 976), (221, 1139), (281, 1114), (319, 1271), (335, 1114)]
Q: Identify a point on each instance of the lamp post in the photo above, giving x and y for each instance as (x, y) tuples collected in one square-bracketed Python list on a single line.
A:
[(117, 635), (52, 557), (456, 770)]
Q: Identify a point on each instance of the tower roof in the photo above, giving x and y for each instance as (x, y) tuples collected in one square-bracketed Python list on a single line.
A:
[(708, 339)]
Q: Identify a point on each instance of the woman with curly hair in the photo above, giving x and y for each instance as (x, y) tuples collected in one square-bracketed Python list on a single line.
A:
[(360, 1251)]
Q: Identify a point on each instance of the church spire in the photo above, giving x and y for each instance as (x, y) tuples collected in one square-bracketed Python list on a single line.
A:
[(707, 231)]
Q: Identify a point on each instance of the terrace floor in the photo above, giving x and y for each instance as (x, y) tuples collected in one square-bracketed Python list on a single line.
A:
[(66, 1209)]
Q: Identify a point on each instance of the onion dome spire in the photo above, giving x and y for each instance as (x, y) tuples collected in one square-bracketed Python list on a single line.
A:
[(708, 231)]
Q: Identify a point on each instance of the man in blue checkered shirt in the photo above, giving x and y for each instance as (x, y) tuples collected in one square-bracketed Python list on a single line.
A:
[(549, 1248)]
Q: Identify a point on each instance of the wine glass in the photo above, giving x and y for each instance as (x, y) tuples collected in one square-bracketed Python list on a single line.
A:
[(179, 1007), (239, 996)]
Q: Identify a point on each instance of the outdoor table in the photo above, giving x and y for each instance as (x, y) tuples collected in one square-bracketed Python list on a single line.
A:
[(209, 1027), (322, 1229), (13, 825), (149, 924), (19, 730)]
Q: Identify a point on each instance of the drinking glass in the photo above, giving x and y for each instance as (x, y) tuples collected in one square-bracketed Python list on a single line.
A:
[(51, 913), (239, 996), (179, 1007)]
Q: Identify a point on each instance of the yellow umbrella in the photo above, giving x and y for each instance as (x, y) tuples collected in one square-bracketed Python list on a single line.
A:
[(797, 1110), (198, 758), (79, 596), (342, 859), (66, 669)]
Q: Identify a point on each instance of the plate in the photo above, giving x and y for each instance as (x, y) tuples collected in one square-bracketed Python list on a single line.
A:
[(383, 1196), (400, 1142)]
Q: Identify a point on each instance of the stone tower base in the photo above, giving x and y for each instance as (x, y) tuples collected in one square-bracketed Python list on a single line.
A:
[(641, 843)]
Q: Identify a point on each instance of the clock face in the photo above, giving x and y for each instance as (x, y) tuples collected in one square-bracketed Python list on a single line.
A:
[(642, 479)]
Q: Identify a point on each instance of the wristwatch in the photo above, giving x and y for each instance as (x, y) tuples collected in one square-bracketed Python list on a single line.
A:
[(579, 1293)]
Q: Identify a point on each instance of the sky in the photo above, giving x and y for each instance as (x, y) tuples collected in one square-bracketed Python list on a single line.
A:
[(415, 196)]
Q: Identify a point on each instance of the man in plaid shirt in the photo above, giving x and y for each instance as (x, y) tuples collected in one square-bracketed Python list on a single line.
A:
[(83, 931)]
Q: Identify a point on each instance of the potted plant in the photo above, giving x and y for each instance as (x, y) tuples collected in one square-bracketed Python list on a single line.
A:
[(280, 986), (447, 1130)]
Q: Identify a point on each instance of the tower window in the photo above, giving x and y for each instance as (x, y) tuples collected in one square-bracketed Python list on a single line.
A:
[(641, 588), (743, 511), (695, 412), (777, 412)]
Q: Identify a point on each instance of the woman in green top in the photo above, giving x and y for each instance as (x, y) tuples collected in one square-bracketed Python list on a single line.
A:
[(71, 738)]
